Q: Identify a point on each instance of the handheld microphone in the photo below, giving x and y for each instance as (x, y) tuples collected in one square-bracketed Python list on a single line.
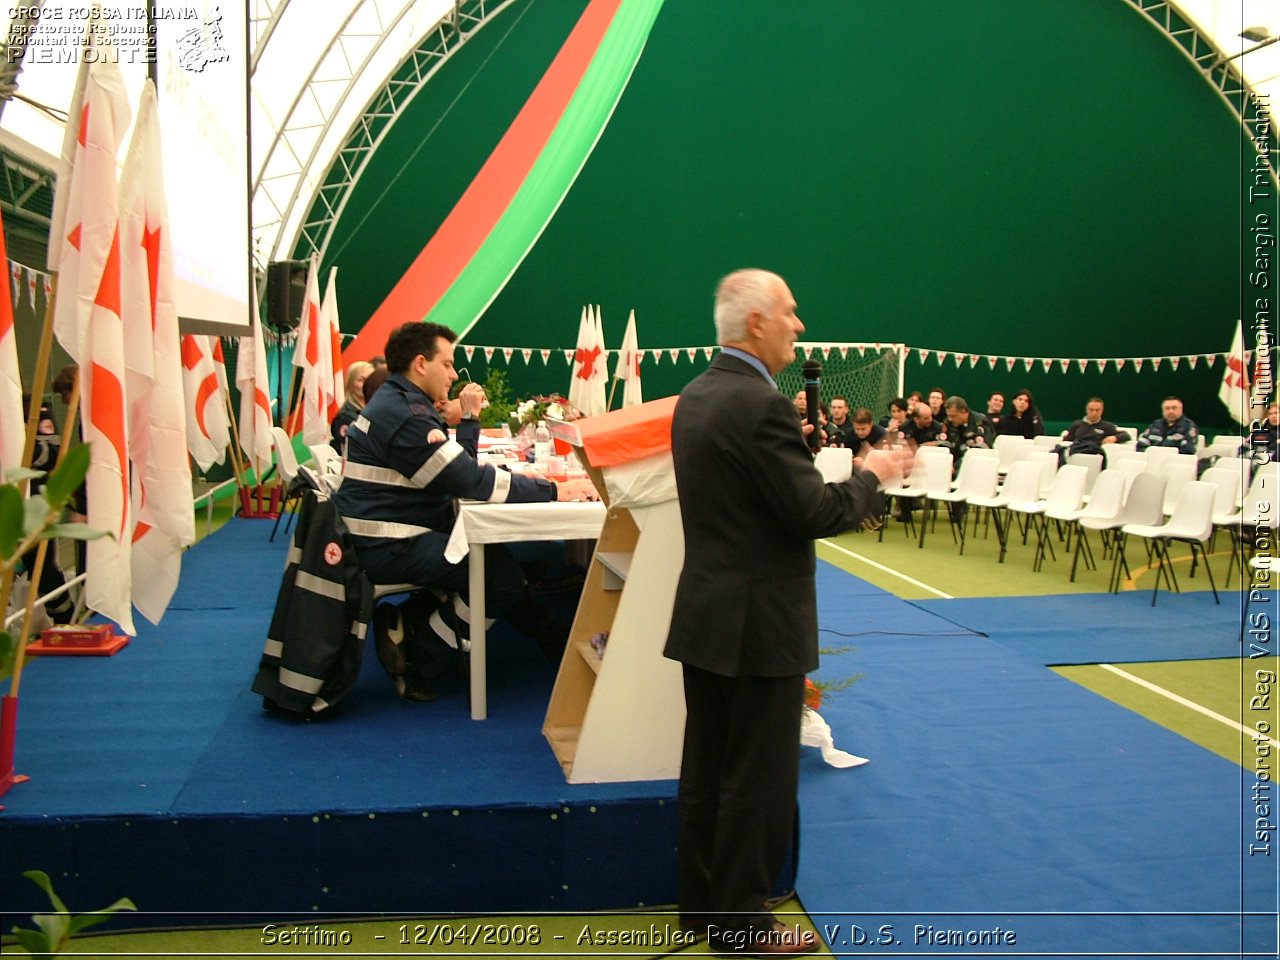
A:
[(812, 372)]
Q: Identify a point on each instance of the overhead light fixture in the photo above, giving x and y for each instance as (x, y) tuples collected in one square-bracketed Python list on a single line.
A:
[(1261, 37)]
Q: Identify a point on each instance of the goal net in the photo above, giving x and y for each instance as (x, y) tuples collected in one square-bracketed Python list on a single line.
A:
[(865, 374)]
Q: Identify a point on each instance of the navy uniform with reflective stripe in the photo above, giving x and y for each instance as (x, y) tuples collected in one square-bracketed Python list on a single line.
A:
[(1182, 434), (402, 478)]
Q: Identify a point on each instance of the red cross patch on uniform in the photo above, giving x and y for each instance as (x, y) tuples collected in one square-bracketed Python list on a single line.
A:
[(333, 554)]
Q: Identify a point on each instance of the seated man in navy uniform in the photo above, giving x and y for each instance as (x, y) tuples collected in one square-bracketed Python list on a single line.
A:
[(402, 478), (1172, 429)]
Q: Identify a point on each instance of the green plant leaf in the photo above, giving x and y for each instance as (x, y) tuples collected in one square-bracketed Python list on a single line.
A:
[(35, 515), (34, 942), (8, 654), (56, 927), (75, 531), (10, 520), (41, 880), (96, 917), (67, 476)]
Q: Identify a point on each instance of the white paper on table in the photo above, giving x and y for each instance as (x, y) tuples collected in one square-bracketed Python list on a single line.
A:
[(816, 732)]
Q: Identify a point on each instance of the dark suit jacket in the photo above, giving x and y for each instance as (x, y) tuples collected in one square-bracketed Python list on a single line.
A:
[(752, 504)]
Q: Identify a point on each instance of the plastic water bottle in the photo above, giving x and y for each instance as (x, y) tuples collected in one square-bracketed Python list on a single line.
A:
[(541, 444)]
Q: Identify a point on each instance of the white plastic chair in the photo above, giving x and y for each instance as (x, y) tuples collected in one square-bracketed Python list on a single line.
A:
[(1065, 496), (1157, 456), (1144, 503), (1191, 522), (1091, 462), (1180, 471), (1008, 446), (1257, 508), (1021, 485), (978, 477), (287, 467), (930, 473), (1104, 506), (1048, 461)]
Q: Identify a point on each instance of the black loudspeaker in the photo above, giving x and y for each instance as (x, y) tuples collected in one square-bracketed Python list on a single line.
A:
[(286, 292)]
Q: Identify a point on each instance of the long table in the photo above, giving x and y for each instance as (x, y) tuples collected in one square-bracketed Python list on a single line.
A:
[(481, 523)]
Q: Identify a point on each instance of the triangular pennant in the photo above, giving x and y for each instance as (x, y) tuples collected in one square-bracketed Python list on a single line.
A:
[(48, 287), (691, 353), (1137, 364), (507, 352), (568, 357), (657, 355), (1102, 365), (973, 360), (826, 353), (923, 355), (1156, 361), (1065, 365), (546, 356), (1009, 362), (527, 353), (862, 349), (1045, 365), (15, 271), (844, 353), (488, 354), (1193, 360), (1212, 358), (675, 354), (1027, 364), (468, 350), (1175, 361), (31, 287), (1120, 363), (942, 355), (991, 362), (959, 358), (1083, 364), (707, 352)]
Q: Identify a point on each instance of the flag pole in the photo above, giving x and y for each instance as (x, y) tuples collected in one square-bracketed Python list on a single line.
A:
[(9, 702), (242, 477), (42, 551)]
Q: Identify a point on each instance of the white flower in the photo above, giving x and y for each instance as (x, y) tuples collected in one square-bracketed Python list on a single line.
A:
[(555, 412), (524, 409)]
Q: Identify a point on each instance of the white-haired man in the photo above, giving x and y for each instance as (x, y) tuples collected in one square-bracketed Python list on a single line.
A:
[(745, 623)]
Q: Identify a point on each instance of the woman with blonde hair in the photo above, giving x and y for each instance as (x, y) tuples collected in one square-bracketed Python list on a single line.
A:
[(351, 407)]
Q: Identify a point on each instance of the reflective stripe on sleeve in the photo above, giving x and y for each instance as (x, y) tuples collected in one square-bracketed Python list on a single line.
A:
[(383, 475), (300, 681), (325, 588), (448, 452), (501, 486), (383, 528)]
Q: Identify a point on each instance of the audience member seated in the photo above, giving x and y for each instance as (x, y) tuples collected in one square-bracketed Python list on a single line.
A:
[(374, 381), (403, 478), (897, 415), (1171, 430), (922, 430), (840, 425), (937, 403), (1025, 420), (965, 429), (865, 434), (1090, 433), (802, 408), (357, 373), (995, 410)]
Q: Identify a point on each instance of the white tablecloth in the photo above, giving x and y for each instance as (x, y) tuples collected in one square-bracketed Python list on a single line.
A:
[(505, 523)]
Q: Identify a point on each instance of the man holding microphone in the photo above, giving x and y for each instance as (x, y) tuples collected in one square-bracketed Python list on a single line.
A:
[(745, 622)]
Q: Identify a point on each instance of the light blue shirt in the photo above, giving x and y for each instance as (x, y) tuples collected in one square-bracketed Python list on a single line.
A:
[(752, 359)]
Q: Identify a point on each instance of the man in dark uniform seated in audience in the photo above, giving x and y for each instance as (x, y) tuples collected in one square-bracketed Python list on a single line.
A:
[(1089, 434), (402, 478), (965, 428), (840, 425), (1172, 429), (865, 434)]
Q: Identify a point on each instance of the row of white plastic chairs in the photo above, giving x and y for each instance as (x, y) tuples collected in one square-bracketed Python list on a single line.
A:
[(1134, 497)]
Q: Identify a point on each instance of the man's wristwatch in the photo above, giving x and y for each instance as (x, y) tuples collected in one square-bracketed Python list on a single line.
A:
[(470, 416)]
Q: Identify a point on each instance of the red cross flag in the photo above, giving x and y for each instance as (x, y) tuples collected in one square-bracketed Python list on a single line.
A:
[(208, 432), (1234, 392), (161, 503), (628, 368), (253, 379), (12, 428)]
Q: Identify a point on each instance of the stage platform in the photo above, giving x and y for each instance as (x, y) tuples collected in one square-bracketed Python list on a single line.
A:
[(156, 775)]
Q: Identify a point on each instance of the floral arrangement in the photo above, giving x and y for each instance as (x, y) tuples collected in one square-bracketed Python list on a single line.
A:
[(529, 412)]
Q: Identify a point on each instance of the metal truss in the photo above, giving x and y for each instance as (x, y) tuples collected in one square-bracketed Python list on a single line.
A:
[(316, 208), (1219, 70)]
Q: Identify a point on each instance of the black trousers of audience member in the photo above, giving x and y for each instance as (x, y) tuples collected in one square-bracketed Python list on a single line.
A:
[(738, 782)]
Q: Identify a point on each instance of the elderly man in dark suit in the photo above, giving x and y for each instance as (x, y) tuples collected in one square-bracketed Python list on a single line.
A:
[(745, 623)]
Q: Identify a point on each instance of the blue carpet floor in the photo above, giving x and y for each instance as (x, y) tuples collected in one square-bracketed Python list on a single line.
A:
[(1000, 795)]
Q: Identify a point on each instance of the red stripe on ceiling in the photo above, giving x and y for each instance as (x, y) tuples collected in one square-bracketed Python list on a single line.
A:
[(487, 198)]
